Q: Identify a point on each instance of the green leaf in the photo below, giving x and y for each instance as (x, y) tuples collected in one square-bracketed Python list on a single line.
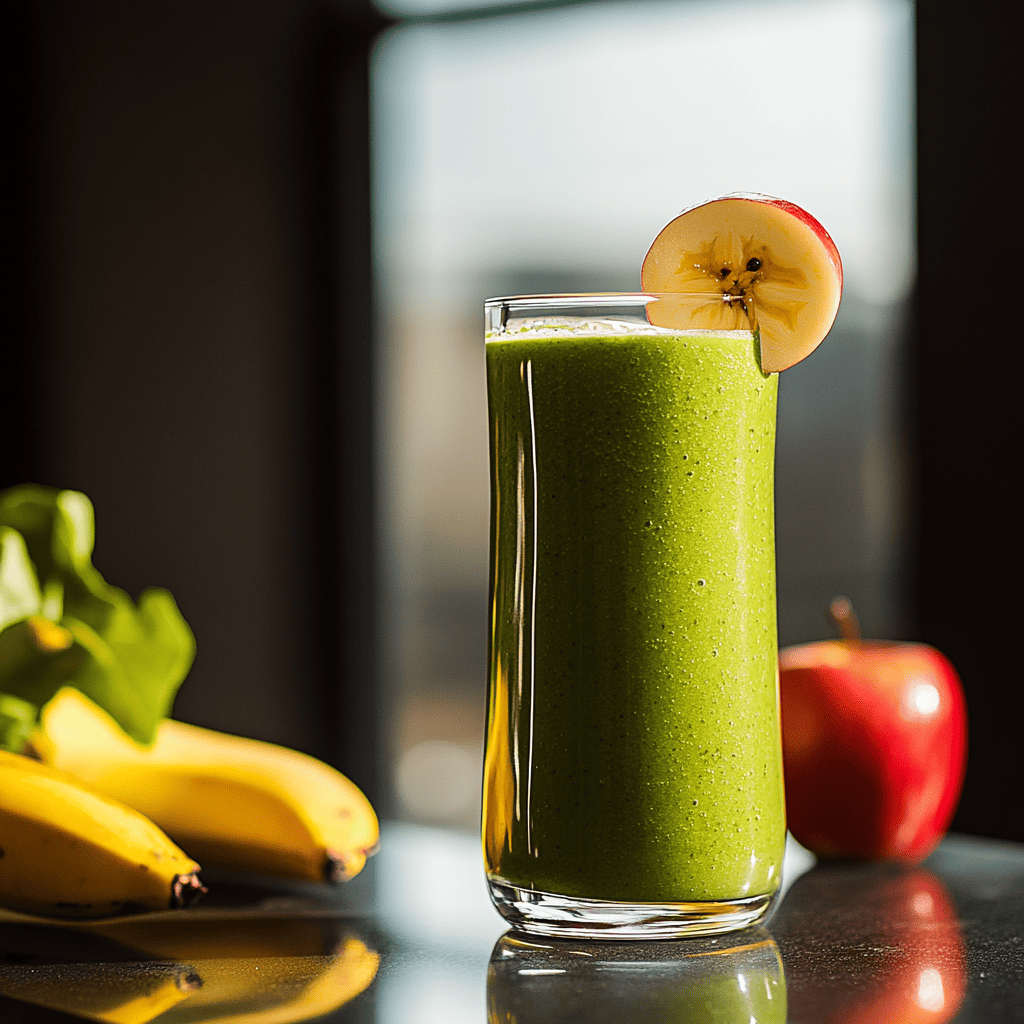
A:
[(17, 720), (59, 534), (57, 527), (33, 670), (37, 658), (19, 588), (130, 659)]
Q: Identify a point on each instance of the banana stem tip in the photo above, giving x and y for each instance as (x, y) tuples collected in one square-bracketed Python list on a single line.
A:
[(186, 890)]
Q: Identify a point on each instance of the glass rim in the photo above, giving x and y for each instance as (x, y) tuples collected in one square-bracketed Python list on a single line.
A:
[(547, 299), (608, 307)]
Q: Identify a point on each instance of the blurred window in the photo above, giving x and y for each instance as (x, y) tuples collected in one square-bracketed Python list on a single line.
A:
[(542, 150)]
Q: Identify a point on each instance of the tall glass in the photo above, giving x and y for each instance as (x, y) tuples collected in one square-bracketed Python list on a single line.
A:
[(633, 765)]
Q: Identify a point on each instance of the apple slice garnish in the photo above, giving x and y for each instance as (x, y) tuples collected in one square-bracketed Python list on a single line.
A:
[(748, 261)]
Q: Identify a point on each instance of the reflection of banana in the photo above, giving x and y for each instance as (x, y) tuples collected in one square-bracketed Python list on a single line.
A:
[(278, 990), (235, 803), (124, 993), (255, 970), (68, 852), (75, 970)]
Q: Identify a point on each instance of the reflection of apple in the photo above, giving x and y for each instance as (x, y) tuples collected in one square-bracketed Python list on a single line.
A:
[(871, 948), (874, 738)]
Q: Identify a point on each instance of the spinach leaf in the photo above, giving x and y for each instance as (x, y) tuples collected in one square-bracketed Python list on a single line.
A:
[(62, 624)]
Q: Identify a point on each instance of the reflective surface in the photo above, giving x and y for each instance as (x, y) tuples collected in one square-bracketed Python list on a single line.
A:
[(852, 942), (533, 981)]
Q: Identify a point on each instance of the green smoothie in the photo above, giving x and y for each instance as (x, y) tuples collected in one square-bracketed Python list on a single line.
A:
[(633, 736)]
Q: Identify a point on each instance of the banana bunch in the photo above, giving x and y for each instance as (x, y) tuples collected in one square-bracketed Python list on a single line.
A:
[(234, 803), (67, 851)]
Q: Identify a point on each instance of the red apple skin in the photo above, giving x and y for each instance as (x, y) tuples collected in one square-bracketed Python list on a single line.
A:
[(801, 215), (874, 738)]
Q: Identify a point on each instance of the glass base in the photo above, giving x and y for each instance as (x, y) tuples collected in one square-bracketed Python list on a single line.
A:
[(568, 917)]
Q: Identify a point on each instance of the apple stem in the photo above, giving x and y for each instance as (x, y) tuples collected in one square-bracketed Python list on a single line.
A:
[(841, 612)]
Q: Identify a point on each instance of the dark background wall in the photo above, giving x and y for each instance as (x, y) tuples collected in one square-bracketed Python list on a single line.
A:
[(189, 342), (193, 218), (966, 399)]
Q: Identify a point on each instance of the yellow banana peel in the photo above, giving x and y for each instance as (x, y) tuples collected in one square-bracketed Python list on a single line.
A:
[(234, 803), (66, 851)]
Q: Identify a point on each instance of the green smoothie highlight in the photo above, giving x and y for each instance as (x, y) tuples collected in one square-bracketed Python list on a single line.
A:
[(632, 741)]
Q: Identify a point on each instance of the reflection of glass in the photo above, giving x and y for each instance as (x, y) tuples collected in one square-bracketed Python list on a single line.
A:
[(633, 777), (703, 981), (894, 931)]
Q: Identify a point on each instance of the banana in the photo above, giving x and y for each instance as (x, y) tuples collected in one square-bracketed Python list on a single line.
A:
[(123, 993), (66, 851), (235, 803)]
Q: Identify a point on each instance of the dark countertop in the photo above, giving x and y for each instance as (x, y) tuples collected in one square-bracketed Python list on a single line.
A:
[(414, 939)]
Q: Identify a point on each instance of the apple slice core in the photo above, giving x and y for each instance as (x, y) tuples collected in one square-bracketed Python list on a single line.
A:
[(748, 261)]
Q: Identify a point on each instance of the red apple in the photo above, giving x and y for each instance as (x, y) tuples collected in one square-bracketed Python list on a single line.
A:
[(746, 261), (874, 739)]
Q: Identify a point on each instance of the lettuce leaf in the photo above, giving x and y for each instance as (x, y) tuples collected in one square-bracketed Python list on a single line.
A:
[(62, 624)]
